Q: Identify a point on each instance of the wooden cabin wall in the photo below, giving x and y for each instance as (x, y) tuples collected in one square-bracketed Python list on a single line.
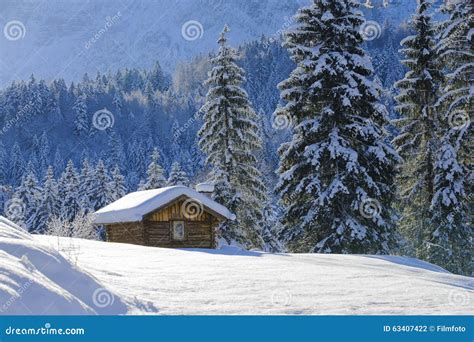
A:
[(200, 229), (132, 232)]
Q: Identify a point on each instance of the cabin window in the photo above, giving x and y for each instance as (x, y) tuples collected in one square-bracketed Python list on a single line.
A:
[(178, 230)]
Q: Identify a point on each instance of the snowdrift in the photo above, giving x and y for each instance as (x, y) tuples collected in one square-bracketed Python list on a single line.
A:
[(114, 278), (38, 280), (232, 281)]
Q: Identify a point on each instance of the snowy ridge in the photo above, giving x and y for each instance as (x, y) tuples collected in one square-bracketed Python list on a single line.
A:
[(36, 279), (235, 281), (132, 207)]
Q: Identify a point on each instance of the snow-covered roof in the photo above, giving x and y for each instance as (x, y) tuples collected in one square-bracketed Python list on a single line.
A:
[(205, 187), (132, 207)]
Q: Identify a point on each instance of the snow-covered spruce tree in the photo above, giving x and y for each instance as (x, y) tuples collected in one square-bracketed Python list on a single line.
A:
[(58, 162), (177, 176), (68, 184), (25, 202), (455, 46), (48, 205), (117, 185), (3, 164), (81, 120), (135, 163), (155, 173), (118, 102), (272, 226), (417, 139), (43, 153), (86, 183), (17, 165), (336, 172), (455, 51), (116, 154), (449, 240), (101, 193), (228, 138)]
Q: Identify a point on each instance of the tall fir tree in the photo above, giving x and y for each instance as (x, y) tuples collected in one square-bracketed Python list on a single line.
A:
[(117, 184), (455, 48), (48, 205), (43, 153), (449, 241), (81, 120), (155, 173), (86, 184), (135, 163), (58, 162), (28, 195), (70, 203), (157, 78), (336, 172), (177, 176), (417, 139), (3, 164), (118, 103), (101, 193), (17, 165), (272, 226), (229, 137), (116, 154)]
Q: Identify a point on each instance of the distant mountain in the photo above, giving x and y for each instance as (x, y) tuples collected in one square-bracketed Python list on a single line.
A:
[(68, 38)]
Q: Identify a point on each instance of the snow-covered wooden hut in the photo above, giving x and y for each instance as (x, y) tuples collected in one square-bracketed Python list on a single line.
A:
[(175, 216)]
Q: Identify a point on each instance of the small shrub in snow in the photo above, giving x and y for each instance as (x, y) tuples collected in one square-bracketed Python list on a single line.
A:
[(81, 227)]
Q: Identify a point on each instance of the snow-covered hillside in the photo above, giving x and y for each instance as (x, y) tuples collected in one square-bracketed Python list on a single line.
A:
[(38, 280), (112, 278)]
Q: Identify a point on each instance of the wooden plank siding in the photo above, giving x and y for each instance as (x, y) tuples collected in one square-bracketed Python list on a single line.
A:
[(175, 211), (130, 232), (156, 228), (198, 235)]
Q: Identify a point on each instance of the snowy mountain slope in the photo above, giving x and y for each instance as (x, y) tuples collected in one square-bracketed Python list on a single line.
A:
[(35, 279), (67, 39), (231, 281)]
